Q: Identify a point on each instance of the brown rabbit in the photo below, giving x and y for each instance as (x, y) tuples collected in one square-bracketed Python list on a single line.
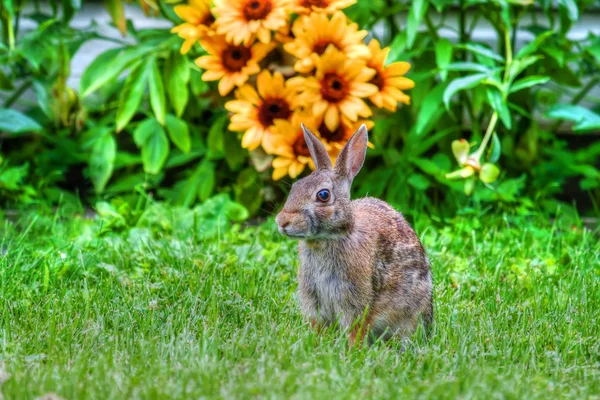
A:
[(358, 258)]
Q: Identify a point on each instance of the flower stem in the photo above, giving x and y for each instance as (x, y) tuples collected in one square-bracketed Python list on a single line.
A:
[(488, 134)]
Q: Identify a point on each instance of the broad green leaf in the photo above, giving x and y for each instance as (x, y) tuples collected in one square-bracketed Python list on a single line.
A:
[(418, 181), (5, 82), (459, 84), (468, 66), (13, 121), (585, 120), (397, 48), (528, 82), (179, 133), (460, 149), (443, 56), (12, 178), (534, 45), (157, 91), (519, 66), (489, 173), (101, 162), (594, 48), (500, 105), (572, 9), (235, 155), (155, 151), (482, 51), (116, 9), (418, 9), (131, 96), (177, 76), (495, 149), (215, 137), (109, 65), (206, 177), (429, 112), (143, 131)]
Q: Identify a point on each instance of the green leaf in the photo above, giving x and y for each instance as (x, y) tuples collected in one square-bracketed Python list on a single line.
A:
[(495, 149), (206, 176), (443, 56), (397, 48), (585, 120), (534, 45), (572, 9), (419, 181), (429, 111), (460, 149), (468, 67), (5, 82), (499, 104), (157, 91), (177, 76), (109, 65), (179, 133), (102, 160), (116, 9), (459, 84), (143, 131), (519, 66), (469, 186), (155, 150), (215, 137), (417, 11), (131, 96), (528, 82), (235, 155), (482, 51), (12, 121), (489, 173), (594, 48)]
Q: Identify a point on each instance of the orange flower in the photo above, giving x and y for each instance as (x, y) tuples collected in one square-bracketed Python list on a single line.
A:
[(314, 33), (254, 113), (337, 88), (389, 79), (242, 20), (289, 146), (230, 63), (198, 22), (321, 6)]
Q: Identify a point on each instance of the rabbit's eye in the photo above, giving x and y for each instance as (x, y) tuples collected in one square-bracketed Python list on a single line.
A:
[(323, 195)]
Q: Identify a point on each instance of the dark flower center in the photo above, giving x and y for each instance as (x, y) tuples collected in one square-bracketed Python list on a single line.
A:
[(257, 9), (377, 80), (234, 58), (320, 47), (333, 88), (208, 19), (272, 109), (315, 3), (337, 135), (300, 147)]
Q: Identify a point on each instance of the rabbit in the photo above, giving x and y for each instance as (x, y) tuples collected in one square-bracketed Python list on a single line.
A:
[(358, 258)]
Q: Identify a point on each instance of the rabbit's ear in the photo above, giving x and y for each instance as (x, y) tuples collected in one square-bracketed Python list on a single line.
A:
[(317, 150), (352, 156)]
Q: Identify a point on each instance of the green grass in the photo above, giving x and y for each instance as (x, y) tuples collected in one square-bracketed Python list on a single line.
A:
[(155, 312)]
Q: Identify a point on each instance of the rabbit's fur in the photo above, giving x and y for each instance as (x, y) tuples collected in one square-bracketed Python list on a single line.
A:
[(358, 258)]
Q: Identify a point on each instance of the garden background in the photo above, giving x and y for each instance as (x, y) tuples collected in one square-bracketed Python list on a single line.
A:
[(145, 147)]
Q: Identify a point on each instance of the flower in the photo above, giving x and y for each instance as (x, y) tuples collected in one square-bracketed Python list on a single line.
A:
[(314, 33), (198, 22), (287, 143), (230, 63), (242, 20), (337, 88), (321, 6), (335, 140), (389, 79), (255, 113)]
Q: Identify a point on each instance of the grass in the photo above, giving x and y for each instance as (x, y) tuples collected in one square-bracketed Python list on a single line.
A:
[(151, 311)]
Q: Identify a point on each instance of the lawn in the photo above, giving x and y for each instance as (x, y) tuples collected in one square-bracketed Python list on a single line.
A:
[(91, 310)]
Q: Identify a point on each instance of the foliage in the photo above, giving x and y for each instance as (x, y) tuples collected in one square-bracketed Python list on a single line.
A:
[(145, 121), (153, 311)]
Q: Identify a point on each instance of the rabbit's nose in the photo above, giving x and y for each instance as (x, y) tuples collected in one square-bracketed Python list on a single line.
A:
[(281, 220)]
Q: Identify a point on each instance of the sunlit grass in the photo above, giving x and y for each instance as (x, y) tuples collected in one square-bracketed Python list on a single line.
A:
[(146, 314)]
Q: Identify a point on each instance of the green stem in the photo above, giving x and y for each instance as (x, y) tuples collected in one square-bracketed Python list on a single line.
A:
[(11, 33), (16, 94), (486, 138)]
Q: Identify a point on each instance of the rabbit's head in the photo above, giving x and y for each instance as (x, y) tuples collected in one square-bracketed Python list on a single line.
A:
[(318, 206)]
